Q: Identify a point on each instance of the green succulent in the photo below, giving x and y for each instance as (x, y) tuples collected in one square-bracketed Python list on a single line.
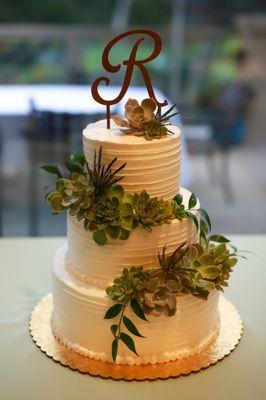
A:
[(204, 268), (75, 194), (153, 129), (103, 177), (128, 284), (112, 216), (151, 212), (159, 295), (186, 271), (217, 264)]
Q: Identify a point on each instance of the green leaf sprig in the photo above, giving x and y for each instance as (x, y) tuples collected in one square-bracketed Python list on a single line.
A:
[(123, 291)]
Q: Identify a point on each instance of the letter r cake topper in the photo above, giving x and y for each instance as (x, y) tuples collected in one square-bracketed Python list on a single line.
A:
[(130, 64)]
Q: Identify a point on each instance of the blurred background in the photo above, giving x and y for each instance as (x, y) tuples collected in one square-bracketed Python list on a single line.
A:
[(212, 65)]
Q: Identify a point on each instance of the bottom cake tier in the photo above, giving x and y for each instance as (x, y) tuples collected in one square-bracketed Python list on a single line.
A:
[(78, 322)]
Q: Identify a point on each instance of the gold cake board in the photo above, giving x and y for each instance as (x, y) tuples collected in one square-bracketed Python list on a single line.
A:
[(229, 335)]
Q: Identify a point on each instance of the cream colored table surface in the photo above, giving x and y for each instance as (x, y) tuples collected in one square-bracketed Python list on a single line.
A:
[(27, 374)]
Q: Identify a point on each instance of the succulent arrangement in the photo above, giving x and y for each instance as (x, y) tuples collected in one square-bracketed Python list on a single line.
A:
[(151, 212), (93, 195), (145, 119), (196, 269)]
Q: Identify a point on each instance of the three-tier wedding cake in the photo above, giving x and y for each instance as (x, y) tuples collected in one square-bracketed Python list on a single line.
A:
[(138, 280), (172, 315)]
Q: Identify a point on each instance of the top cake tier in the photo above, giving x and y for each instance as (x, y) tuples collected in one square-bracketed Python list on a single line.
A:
[(151, 165)]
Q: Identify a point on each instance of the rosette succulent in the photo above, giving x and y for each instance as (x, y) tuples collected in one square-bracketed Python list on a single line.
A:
[(204, 268), (143, 119), (128, 284), (150, 211), (74, 194), (160, 294), (112, 215)]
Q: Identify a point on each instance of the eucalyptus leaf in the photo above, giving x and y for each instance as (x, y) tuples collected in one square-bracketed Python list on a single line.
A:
[(114, 329), (194, 219), (137, 309), (233, 248), (113, 311), (52, 169), (219, 238), (178, 199), (114, 348), (192, 201), (206, 217), (131, 327), (128, 341), (79, 158), (74, 167)]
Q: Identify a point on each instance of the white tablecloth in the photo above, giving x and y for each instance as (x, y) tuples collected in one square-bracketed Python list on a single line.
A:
[(73, 99), (17, 100), (27, 374)]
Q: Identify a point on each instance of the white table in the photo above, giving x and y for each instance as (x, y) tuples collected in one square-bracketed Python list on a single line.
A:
[(72, 99), (27, 374), (17, 100)]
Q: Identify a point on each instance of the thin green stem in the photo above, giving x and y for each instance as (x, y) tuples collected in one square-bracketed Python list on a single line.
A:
[(120, 320)]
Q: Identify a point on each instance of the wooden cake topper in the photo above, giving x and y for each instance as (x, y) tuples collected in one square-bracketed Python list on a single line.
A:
[(130, 64)]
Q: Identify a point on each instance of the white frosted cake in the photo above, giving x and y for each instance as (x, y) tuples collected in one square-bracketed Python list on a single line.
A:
[(83, 269)]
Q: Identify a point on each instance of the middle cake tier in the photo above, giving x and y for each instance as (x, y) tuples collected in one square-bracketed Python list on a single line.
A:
[(100, 265)]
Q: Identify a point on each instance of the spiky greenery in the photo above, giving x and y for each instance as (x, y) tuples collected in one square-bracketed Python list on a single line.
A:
[(102, 177), (164, 118), (158, 126)]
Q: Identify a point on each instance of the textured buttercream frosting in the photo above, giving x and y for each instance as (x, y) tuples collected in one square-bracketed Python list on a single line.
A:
[(99, 265), (152, 165), (82, 269), (78, 323)]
